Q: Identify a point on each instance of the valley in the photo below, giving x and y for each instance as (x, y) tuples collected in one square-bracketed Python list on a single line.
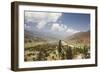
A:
[(41, 47)]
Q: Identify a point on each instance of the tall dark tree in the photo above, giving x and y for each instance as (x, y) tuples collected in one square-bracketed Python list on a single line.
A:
[(59, 49), (69, 53)]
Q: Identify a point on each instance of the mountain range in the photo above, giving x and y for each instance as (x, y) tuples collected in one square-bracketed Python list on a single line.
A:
[(77, 38)]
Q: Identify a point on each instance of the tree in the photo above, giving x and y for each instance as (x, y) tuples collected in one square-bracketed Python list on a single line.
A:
[(69, 54)]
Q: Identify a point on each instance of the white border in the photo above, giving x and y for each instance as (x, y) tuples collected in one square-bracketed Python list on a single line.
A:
[(23, 64)]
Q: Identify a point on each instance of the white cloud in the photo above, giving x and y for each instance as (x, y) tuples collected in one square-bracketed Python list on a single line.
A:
[(41, 24), (62, 28), (41, 18), (26, 26), (58, 27), (71, 30)]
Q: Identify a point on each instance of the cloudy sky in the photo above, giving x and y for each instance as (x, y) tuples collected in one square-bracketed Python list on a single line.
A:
[(56, 24)]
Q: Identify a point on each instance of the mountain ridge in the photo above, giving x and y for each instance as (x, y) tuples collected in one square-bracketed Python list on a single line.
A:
[(79, 38)]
